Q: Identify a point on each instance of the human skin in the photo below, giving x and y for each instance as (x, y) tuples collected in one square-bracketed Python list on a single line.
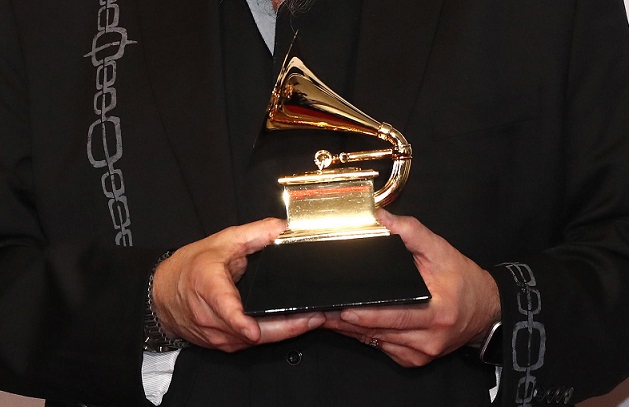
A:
[(196, 299)]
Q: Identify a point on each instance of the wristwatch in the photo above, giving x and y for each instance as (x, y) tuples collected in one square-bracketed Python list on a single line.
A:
[(491, 349)]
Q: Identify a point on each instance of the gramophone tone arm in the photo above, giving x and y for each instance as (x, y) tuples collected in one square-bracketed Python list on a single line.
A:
[(323, 158), (365, 155)]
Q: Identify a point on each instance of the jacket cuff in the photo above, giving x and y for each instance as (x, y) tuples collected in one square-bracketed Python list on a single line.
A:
[(524, 336)]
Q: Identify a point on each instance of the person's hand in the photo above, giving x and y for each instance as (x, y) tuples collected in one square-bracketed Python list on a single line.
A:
[(465, 302), (195, 298)]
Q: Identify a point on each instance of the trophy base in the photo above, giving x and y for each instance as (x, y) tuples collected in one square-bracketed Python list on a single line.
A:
[(296, 236), (327, 275)]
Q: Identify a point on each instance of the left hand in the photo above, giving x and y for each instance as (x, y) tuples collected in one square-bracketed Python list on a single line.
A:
[(465, 302)]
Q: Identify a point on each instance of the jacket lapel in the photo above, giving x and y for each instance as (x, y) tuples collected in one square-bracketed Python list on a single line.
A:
[(395, 43), (183, 52)]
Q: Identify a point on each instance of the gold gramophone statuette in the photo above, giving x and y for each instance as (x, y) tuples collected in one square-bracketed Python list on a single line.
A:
[(340, 203), (329, 265)]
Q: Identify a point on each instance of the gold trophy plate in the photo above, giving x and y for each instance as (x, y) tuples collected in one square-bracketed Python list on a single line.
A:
[(330, 205)]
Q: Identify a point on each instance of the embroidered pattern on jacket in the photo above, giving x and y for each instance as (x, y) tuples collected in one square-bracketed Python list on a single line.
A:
[(104, 137), (527, 332)]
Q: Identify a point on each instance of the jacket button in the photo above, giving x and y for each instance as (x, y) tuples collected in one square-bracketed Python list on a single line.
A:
[(293, 357)]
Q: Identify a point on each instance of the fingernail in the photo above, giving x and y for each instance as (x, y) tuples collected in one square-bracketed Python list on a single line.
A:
[(349, 316), (247, 333), (316, 321), (384, 216)]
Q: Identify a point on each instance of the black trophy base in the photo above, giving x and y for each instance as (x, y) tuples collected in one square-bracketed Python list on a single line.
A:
[(319, 276)]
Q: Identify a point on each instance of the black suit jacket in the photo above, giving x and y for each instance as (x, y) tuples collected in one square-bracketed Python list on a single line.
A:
[(117, 143)]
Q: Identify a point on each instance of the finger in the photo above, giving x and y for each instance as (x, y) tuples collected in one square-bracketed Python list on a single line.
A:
[(416, 237), (358, 332), (411, 339), (360, 337), (403, 355), (251, 237), (275, 329), (223, 302), (393, 317), (390, 343), (217, 339), (339, 325)]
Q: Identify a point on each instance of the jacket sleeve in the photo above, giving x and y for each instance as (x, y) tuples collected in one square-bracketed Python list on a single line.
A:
[(566, 311), (71, 313)]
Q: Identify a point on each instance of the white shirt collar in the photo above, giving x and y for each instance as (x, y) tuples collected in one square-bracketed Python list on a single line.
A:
[(265, 18)]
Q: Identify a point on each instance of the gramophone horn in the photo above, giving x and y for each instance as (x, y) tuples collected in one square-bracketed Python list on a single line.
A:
[(301, 101)]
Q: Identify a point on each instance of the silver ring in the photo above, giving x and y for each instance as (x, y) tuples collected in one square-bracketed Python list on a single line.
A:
[(374, 343)]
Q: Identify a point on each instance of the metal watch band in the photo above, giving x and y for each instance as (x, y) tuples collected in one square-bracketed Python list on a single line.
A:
[(491, 349), (154, 338)]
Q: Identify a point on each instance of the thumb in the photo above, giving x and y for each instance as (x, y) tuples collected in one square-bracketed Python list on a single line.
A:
[(252, 237), (416, 237)]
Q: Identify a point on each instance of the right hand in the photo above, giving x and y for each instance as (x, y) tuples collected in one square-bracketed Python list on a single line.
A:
[(195, 297)]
